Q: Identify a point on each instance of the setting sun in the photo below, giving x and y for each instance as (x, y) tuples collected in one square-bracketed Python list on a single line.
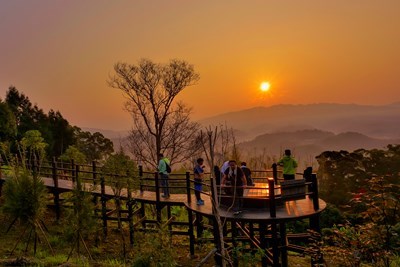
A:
[(265, 86)]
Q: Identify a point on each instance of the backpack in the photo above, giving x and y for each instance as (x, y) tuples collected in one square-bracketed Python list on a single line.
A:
[(168, 167)]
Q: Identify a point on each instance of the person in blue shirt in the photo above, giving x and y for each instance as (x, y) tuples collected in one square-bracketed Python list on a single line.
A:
[(162, 171), (198, 180)]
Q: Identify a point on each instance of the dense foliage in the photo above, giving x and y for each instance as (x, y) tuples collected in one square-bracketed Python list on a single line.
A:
[(365, 186), (342, 173), (18, 116)]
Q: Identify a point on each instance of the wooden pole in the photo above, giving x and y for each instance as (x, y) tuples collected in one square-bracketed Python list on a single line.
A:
[(314, 220), (217, 241), (315, 191), (141, 178), (234, 243), (191, 232), (55, 189), (1, 167), (103, 205), (272, 204), (263, 244), (274, 241), (284, 255), (73, 171), (200, 228), (169, 218), (275, 172), (130, 209), (158, 203), (188, 193)]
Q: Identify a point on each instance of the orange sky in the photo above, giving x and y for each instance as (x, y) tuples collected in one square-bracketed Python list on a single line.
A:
[(60, 53)]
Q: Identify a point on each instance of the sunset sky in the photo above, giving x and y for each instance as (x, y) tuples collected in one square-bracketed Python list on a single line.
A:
[(60, 53)]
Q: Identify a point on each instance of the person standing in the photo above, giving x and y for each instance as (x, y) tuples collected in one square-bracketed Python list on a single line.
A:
[(198, 180), (162, 171), (234, 175), (289, 165), (247, 173)]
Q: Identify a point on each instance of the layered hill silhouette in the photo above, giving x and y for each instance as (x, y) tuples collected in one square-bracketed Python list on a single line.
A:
[(306, 129), (375, 121), (310, 143)]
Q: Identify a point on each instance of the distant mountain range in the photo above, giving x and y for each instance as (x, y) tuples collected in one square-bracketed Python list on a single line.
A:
[(375, 121), (310, 143), (307, 129)]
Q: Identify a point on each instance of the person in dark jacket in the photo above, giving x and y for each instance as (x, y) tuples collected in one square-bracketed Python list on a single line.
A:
[(247, 173)]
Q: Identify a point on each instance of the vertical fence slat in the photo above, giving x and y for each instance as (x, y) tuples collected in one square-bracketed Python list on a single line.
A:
[(55, 189)]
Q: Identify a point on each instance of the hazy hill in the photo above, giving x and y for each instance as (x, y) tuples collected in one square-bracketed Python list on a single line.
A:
[(376, 121), (310, 143)]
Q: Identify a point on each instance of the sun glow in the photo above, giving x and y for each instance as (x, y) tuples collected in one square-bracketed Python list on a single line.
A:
[(264, 86)]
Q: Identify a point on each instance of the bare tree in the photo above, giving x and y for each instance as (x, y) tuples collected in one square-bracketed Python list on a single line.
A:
[(160, 124)]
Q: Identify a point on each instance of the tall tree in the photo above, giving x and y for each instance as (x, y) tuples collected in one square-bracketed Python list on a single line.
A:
[(159, 125), (28, 116), (56, 130), (8, 124), (94, 146), (62, 133)]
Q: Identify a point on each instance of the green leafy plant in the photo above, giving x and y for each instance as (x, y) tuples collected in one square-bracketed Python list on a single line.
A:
[(24, 193)]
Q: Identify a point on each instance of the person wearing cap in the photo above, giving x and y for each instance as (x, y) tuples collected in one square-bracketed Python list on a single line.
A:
[(289, 165)]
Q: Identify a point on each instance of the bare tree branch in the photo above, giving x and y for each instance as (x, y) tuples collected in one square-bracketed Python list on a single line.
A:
[(159, 125)]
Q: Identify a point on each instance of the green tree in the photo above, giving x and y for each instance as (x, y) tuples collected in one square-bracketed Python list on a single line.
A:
[(62, 133), (374, 239), (95, 146), (28, 116), (118, 166), (25, 194), (345, 172), (34, 146), (160, 125), (73, 153), (8, 123)]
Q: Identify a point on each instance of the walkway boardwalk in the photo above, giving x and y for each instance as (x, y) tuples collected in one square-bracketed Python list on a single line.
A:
[(261, 221)]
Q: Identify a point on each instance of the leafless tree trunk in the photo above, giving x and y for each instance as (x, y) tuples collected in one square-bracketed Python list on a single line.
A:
[(211, 139), (159, 124)]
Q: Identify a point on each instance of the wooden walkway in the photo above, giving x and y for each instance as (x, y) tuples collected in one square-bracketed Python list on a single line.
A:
[(278, 210), (290, 210)]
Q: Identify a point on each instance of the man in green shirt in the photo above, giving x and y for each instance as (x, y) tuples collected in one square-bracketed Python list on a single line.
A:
[(289, 165), (163, 174)]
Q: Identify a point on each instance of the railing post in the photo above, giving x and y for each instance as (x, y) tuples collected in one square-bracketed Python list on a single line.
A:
[(55, 189), (73, 171), (275, 172), (103, 205), (158, 205), (1, 175), (188, 193), (77, 180), (141, 178), (156, 180), (272, 204), (130, 210), (95, 198), (1, 167), (314, 220), (94, 172), (315, 191)]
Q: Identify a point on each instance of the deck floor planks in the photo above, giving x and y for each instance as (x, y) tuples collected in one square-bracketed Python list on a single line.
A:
[(290, 210)]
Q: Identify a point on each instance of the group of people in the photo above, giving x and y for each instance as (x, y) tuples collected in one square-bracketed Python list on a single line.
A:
[(230, 176)]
